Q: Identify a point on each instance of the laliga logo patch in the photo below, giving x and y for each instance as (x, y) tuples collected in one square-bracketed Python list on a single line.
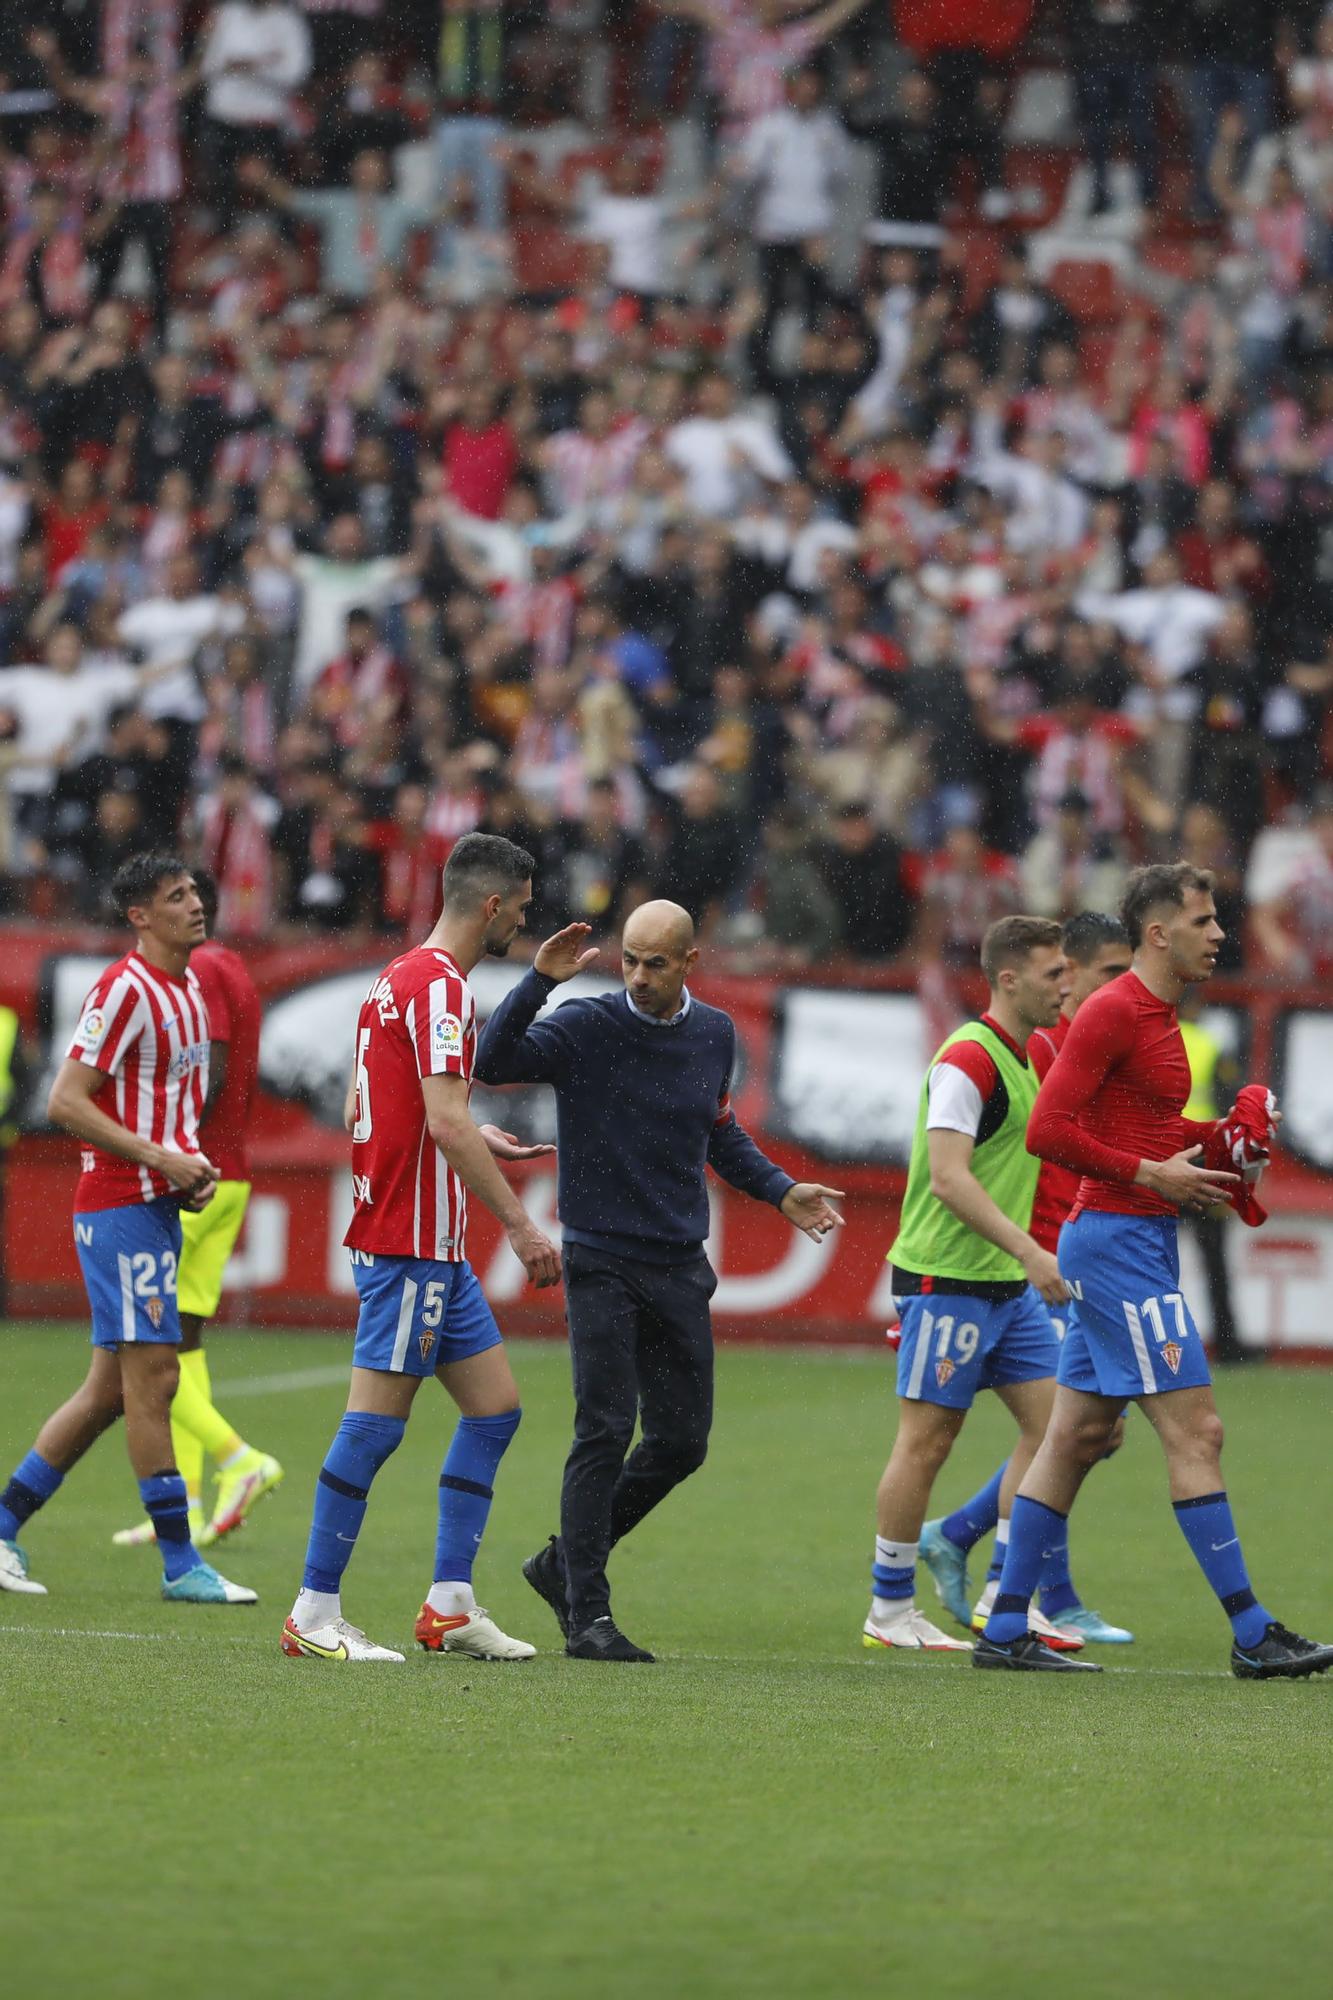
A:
[(92, 1028), (155, 1312), (447, 1035), (1171, 1354), (943, 1371)]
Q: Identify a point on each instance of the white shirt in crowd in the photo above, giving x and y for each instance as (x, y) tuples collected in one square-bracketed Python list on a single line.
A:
[(800, 552), (1046, 511), (798, 161), (163, 629), (1173, 622), (15, 507), (330, 589), (59, 712), (634, 229), (272, 36), (721, 457)]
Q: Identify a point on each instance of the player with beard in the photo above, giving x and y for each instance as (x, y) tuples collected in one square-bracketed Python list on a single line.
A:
[(416, 1156)]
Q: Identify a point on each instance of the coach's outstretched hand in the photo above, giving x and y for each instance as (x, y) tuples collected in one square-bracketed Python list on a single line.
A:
[(1182, 1181), (508, 1146), (563, 955), (810, 1207)]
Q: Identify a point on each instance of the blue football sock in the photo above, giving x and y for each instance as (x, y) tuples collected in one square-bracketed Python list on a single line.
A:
[(362, 1444), (1207, 1526), (1057, 1585), (1000, 1551), (1031, 1528), (166, 1505), (893, 1573), (467, 1485), (977, 1516), (32, 1485)]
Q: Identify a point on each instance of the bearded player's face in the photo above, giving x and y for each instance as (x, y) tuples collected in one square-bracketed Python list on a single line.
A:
[(1193, 936), (509, 918)]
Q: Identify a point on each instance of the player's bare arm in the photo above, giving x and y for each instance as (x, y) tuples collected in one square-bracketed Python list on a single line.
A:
[(953, 1182), (453, 1130), (71, 1106)]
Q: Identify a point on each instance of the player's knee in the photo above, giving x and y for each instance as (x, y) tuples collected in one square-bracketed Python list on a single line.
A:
[(929, 1445), (1208, 1433), (1083, 1443), (689, 1452)]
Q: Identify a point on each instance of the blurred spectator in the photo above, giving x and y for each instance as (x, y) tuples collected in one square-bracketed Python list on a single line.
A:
[(1294, 932), (862, 870), (704, 859), (1116, 45), (912, 154), (474, 88), (255, 55), (1067, 868), (965, 887), (594, 870), (795, 163)]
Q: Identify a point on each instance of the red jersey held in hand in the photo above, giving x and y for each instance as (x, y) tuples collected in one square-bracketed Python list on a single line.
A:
[(1115, 1095), (1057, 1187), (416, 1021), (234, 1016)]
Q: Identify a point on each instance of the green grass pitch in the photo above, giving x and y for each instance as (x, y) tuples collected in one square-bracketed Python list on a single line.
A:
[(769, 1811)]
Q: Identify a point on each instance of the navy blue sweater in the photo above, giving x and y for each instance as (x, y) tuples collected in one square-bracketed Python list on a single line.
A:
[(641, 1109)]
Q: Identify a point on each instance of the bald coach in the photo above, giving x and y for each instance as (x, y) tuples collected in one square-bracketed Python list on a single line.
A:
[(642, 1081)]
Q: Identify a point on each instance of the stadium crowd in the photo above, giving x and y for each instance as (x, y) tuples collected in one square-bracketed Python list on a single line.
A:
[(663, 436)]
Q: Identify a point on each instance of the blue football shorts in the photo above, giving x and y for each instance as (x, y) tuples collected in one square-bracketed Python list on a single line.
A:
[(129, 1258), (1129, 1331), (418, 1315), (954, 1344)]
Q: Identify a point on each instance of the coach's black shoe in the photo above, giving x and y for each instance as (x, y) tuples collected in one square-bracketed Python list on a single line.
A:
[(1027, 1655), (546, 1573), (603, 1640), (1280, 1656)]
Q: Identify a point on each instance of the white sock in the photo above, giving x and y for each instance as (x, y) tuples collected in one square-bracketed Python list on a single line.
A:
[(888, 1610), (314, 1608), (451, 1599), (1001, 1534)]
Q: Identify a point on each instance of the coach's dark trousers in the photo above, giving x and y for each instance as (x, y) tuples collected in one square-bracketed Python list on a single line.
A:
[(642, 1349)]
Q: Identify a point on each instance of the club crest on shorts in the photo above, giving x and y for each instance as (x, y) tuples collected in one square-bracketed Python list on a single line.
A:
[(943, 1371), (1171, 1354), (425, 1341), (154, 1309)]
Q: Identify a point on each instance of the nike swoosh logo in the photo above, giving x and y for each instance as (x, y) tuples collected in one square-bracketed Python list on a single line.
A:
[(438, 1624), (338, 1652), (344, 1538), (1218, 1546)]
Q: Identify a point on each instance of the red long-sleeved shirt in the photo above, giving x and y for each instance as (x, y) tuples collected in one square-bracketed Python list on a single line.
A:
[(1057, 1187), (1114, 1096)]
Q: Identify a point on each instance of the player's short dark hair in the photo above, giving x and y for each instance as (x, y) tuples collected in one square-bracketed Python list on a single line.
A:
[(1089, 932), (1011, 940), (208, 896), (482, 865), (137, 880), (1162, 882)]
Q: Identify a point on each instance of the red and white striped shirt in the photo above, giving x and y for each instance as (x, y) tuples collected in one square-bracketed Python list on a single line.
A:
[(148, 1031), (587, 472), (417, 1020)]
